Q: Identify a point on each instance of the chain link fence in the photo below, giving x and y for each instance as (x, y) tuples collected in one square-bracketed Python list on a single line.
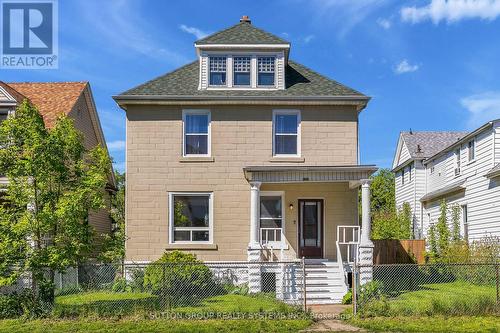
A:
[(194, 289), (430, 289)]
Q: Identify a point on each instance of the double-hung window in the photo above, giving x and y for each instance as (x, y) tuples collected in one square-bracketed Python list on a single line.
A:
[(471, 149), (196, 124), (241, 71), (218, 71), (190, 217), (286, 133), (457, 162), (265, 74), (271, 218)]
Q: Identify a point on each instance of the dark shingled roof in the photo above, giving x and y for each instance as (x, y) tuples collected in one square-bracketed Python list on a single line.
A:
[(300, 82), (427, 144), (241, 33)]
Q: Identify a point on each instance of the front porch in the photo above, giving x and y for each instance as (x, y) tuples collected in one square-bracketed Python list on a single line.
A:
[(310, 214)]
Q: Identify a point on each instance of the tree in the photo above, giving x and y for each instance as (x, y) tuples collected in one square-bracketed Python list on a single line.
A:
[(455, 223), (113, 249), (392, 225), (433, 247), (383, 191), (443, 232), (53, 184)]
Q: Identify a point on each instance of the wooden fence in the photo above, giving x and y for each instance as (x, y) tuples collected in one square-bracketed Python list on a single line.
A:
[(393, 251)]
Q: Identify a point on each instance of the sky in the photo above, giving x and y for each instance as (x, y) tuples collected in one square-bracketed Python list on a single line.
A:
[(427, 65)]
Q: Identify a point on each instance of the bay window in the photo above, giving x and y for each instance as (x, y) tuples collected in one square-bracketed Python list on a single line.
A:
[(190, 217)]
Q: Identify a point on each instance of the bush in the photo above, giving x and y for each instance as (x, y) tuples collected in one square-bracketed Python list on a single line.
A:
[(180, 279), (121, 286), (24, 304), (370, 291), (347, 299)]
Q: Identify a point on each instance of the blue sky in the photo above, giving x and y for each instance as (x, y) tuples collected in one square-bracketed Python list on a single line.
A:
[(428, 65)]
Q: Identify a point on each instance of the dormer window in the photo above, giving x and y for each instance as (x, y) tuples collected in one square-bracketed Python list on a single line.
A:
[(241, 71), (217, 71), (265, 74)]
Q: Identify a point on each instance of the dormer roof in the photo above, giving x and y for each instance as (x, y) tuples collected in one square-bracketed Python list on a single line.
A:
[(242, 33)]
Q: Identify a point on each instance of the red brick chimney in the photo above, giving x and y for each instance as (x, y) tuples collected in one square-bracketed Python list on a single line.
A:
[(246, 19)]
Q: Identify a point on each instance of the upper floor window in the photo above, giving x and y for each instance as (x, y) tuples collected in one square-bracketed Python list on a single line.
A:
[(196, 132), (471, 150), (457, 162), (265, 75), (286, 132), (403, 176), (241, 71), (217, 71), (410, 167)]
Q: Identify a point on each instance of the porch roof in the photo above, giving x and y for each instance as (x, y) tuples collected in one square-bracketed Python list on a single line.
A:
[(305, 174)]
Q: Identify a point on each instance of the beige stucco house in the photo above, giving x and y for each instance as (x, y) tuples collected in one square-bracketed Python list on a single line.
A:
[(244, 155)]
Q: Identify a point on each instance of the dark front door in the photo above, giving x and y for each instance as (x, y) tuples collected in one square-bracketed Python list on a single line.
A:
[(311, 228)]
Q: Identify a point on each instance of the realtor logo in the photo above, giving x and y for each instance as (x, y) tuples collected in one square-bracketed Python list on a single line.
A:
[(29, 34)]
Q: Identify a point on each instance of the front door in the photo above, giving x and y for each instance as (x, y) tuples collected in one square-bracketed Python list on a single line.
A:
[(311, 228)]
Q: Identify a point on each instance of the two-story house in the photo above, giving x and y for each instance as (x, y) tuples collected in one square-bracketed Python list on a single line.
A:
[(462, 168), (53, 99), (241, 151)]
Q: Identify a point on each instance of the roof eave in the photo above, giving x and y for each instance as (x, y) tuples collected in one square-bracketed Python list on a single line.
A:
[(405, 163)]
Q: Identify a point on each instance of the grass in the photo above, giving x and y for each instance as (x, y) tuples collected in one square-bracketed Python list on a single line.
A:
[(240, 304), (451, 299), (462, 324), (152, 326), (99, 296)]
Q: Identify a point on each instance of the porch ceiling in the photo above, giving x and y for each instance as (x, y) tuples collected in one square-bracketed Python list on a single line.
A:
[(306, 174)]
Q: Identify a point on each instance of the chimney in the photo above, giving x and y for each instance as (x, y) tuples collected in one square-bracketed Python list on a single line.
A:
[(246, 19)]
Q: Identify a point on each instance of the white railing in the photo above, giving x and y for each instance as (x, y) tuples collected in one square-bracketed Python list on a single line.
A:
[(272, 239), (348, 238)]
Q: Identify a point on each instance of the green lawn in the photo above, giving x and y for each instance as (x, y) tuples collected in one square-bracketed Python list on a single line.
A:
[(99, 296), (450, 299), (151, 326), (463, 324)]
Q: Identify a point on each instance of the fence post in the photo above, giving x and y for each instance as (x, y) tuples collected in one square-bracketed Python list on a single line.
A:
[(498, 287), (354, 289), (304, 292)]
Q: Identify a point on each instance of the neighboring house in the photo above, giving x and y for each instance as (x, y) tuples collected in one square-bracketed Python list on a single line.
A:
[(242, 155), (53, 99), (461, 167)]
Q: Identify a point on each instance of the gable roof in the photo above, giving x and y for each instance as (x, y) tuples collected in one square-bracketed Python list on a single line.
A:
[(427, 144), (301, 82), (241, 33), (51, 98)]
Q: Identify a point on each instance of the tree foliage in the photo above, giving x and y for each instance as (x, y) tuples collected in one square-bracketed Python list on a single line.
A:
[(113, 249), (383, 191), (392, 225), (53, 184)]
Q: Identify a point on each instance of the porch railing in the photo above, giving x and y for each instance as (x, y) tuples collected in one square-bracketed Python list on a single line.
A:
[(348, 238)]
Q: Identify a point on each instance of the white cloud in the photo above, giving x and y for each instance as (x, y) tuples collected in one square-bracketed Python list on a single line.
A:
[(116, 145), (405, 67), (384, 23), (346, 14), (199, 34), (308, 38), (482, 108), (452, 11)]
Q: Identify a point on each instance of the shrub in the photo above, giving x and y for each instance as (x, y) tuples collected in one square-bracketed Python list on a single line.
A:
[(24, 304), (369, 291), (347, 299), (121, 286), (180, 279)]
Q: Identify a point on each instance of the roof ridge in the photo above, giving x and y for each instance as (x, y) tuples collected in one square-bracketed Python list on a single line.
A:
[(237, 25), (159, 77), (46, 82), (324, 76)]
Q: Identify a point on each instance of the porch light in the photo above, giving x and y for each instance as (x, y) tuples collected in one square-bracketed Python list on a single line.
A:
[(291, 206)]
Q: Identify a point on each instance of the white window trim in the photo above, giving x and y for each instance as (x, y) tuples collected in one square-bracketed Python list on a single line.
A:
[(186, 112), (468, 151), (282, 243), (299, 127), (171, 217), (457, 155), (253, 69)]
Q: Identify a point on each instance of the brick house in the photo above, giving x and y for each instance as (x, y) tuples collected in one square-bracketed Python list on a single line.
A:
[(246, 155)]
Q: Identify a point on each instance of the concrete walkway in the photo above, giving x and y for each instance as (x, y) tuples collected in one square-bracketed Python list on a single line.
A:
[(328, 319)]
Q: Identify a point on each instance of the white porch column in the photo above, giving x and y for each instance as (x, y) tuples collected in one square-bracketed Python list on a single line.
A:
[(254, 249), (254, 213), (365, 256)]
